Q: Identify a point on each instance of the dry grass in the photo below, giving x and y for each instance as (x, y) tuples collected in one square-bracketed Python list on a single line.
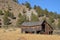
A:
[(16, 35)]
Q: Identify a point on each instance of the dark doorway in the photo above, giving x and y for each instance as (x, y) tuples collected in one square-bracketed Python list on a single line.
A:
[(0, 26), (50, 32), (29, 32), (26, 32), (33, 32), (43, 27), (0, 23), (38, 32)]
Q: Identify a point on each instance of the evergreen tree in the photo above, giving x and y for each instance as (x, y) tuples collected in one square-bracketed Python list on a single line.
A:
[(28, 5), (51, 20), (21, 19), (5, 18), (46, 12), (38, 10), (52, 14), (15, 1), (24, 11), (58, 16), (35, 6), (34, 17), (6, 22), (1, 13), (9, 14)]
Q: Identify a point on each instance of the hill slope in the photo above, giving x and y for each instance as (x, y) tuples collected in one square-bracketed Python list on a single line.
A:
[(14, 14), (13, 7)]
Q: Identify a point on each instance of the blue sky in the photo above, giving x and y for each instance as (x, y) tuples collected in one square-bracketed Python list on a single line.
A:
[(51, 5)]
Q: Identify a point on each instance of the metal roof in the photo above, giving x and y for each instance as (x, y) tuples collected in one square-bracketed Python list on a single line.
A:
[(32, 23)]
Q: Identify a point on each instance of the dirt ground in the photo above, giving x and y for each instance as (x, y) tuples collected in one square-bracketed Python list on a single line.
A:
[(15, 34)]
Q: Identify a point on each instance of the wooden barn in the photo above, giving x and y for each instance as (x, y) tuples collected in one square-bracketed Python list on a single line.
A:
[(39, 27)]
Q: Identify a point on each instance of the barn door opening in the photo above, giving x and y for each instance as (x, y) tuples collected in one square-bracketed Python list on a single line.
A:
[(29, 32), (38, 32), (50, 32), (43, 27), (26, 32), (0, 26)]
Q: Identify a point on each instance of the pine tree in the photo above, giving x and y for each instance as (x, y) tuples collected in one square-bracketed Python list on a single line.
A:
[(1, 13), (51, 20), (21, 19), (5, 18), (27, 5), (38, 10), (15, 1), (34, 17), (45, 12)]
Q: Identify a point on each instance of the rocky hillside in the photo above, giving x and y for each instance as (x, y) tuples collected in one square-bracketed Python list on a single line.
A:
[(10, 6), (14, 14), (13, 7)]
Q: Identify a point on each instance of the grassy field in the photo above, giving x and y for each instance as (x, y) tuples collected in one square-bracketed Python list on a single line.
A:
[(15, 34)]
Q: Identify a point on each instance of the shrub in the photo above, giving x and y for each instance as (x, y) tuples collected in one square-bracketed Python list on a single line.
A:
[(21, 19), (9, 14), (1, 13), (6, 20)]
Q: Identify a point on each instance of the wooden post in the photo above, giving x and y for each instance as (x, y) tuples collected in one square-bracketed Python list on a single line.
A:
[(35, 31)]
